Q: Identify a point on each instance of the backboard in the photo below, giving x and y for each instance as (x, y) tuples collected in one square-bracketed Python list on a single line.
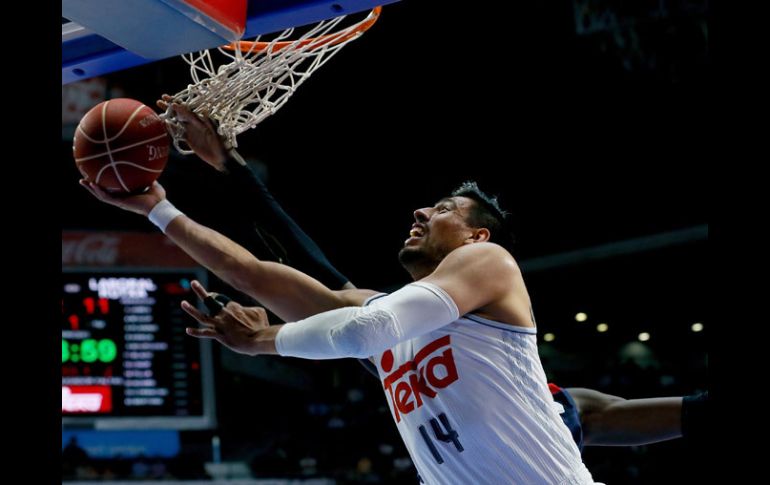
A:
[(103, 36)]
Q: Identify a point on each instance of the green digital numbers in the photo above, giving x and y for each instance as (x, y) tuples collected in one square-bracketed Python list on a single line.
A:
[(89, 350), (107, 350)]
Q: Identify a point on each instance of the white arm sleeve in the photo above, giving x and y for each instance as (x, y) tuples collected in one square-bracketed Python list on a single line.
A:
[(414, 310)]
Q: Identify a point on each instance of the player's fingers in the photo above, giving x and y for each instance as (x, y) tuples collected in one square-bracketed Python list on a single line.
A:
[(199, 290), (234, 309), (99, 192), (202, 333), (210, 124), (87, 185), (215, 302), (201, 317), (183, 114)]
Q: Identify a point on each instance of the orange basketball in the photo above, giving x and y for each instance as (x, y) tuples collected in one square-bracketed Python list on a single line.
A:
[(121, 145)]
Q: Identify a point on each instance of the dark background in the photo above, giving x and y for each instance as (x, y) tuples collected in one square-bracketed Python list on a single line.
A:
[(588, 135)]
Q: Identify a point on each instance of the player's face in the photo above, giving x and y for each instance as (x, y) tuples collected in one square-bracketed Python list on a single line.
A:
[(437, 231)]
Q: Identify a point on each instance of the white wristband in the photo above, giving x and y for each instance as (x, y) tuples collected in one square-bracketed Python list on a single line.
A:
[(163, 213)]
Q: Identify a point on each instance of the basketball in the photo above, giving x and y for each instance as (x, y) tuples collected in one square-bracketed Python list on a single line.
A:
[(121, 145)]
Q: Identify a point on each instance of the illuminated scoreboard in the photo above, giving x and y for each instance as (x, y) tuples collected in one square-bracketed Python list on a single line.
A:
[(126, 360)]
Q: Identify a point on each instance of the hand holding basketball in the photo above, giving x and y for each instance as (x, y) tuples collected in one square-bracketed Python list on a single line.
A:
[(141, 204)]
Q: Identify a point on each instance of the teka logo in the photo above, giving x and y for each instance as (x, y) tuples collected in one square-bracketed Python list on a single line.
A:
[(424, 375), (86, 399)]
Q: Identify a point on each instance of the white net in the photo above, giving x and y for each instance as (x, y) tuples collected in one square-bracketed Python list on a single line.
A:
[(256, 79)]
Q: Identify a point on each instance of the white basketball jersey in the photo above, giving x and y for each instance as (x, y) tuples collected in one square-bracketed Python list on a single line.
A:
[(472, 405)]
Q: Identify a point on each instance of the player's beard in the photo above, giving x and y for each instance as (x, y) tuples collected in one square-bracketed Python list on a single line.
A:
[(417, 261)]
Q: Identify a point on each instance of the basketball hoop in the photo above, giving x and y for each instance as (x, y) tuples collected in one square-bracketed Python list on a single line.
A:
[(257, 77)]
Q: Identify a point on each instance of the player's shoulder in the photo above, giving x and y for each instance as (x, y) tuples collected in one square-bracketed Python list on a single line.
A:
[(486, 256)]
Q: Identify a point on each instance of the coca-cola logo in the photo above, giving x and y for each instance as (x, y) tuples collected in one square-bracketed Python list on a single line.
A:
[(424, 376), (95, 249)]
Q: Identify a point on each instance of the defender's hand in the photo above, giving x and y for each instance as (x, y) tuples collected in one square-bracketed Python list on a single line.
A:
[(234, 326), (200, 134)]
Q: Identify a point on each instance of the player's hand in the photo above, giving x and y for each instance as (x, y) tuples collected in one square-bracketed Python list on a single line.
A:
[(200, 134), (235, 326), (141, 203)]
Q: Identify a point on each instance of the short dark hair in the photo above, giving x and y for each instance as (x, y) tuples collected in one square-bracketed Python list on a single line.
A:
[(487, 213)]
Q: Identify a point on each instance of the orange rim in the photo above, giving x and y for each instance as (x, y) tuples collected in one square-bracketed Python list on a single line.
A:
[(333, 39)]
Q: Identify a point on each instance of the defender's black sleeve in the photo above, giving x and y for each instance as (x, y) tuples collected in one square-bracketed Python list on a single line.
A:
[(276, 229)]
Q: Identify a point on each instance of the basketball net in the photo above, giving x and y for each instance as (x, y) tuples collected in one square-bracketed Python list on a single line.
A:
[(257, 77)]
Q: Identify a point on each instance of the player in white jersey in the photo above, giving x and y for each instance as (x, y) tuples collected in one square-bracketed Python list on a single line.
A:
[(456, 350), (468, 403), (593, 418)]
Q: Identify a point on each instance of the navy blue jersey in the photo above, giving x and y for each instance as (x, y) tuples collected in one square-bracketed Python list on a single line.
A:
[(570, 416)]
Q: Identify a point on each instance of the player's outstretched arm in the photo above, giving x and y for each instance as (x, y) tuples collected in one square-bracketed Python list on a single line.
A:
[(416, 309), (287, 292), (609, 420)]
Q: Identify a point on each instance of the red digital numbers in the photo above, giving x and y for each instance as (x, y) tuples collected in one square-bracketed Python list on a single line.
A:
[(90, 303)]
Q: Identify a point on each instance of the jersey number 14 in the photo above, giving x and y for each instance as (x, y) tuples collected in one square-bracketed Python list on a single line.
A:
[(448, 436)]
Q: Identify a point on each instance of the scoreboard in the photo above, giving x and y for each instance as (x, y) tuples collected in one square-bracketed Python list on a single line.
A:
[(126, 360)]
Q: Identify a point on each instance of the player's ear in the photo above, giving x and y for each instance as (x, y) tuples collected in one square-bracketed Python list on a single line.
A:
[(480, 235)]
